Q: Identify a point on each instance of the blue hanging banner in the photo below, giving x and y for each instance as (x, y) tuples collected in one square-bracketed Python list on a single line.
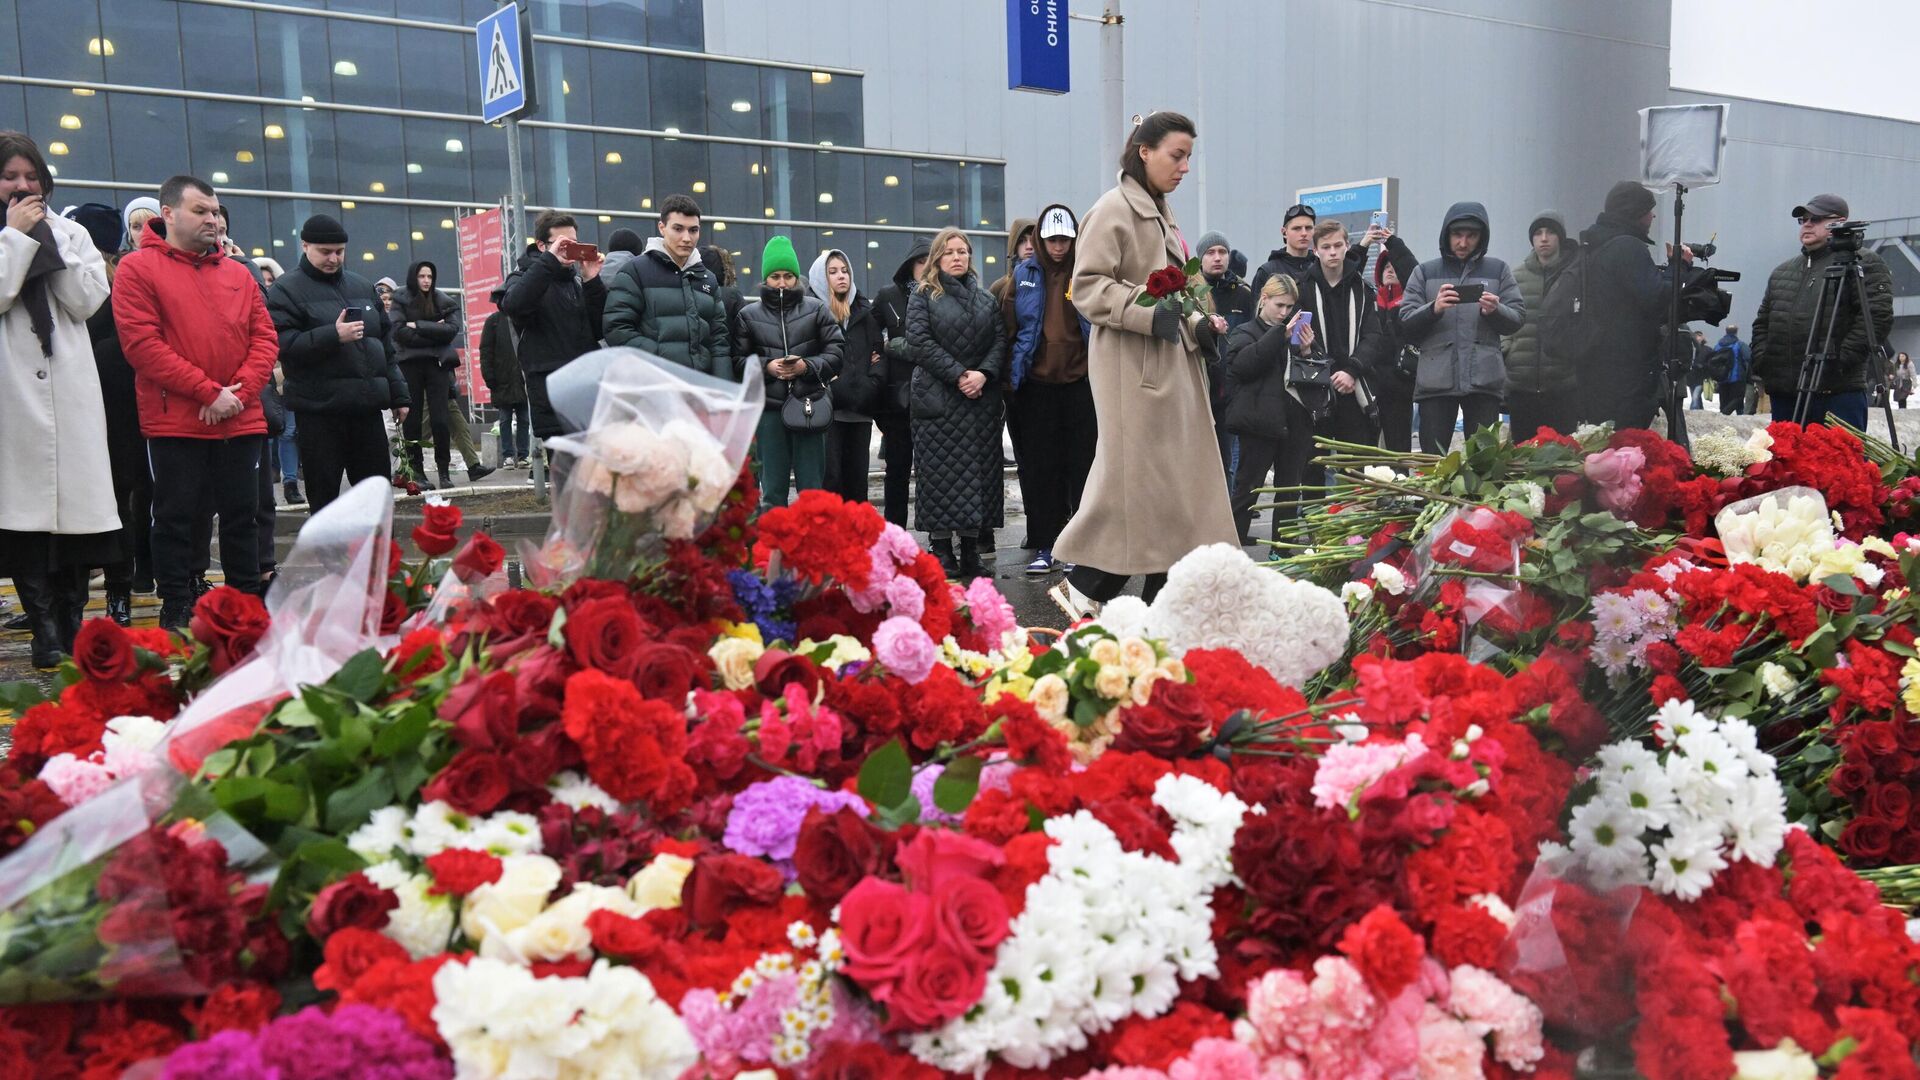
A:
[(1037, 57)]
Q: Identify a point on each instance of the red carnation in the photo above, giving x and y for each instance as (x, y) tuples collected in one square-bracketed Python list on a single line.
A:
[(634, 748), (233, 1007), (459, 871), (1385, 951), (353, 952)]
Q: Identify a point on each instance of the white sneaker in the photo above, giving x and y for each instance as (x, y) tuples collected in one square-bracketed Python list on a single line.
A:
[(1073, 603)]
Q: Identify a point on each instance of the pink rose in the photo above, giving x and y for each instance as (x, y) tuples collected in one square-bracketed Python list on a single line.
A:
[(936, 855), (1617, 474), (882, 927), (905, 649)]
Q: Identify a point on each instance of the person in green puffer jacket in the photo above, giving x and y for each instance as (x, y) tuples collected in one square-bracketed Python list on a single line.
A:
[(1785, 321), (1541, 388), (665, 301)]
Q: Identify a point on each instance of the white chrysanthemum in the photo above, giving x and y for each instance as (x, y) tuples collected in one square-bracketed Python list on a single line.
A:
[(1216, 597), (384, 834), (1709, 751), (1613, 655), (1684, 864), (1648, 793), (1775, 680), (498, 1020), (1758, 820), (1606, 836), (1675, 718), (508, 832), (577, 792), (1621, 758), (437, 826)]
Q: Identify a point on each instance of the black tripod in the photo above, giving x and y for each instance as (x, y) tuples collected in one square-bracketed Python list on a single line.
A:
[(1679, 345), (1844, 280)]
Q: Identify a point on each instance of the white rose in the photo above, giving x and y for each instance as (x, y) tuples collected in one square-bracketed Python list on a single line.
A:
[(1111, 683), (735, 657), (659, 885), (1105, 652), (1137, 657), (1143, 686), (513, 901), (1784, 1062), (1174, 668), (1049, 697)]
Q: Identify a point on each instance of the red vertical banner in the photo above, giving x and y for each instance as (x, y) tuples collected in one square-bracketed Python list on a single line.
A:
[(481, 240)]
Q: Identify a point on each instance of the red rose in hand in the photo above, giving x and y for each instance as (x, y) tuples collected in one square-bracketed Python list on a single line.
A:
[(459, 871), (104, 651), (882, 928), (939, 985), (350, 902), (1166, 281), (935, 855), (229, 623), (472, 783), (479, 559), (835, 851), (971, 917), (721, 884), (605, 635), (434, 536)]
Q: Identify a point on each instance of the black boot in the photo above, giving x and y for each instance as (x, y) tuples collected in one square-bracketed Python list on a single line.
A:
[(40, 603), (72, 590), (120, 606), (970, 567), (175, 614), (291, 491), (446, 481), (477, 472), (943, 550)]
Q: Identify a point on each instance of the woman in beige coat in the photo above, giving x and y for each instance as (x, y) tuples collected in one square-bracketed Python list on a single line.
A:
[(1155, 491)]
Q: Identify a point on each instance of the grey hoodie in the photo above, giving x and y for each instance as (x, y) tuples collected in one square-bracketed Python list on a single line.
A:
[(1459, 347)]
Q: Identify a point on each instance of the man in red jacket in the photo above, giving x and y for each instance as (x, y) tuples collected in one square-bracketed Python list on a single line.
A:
[(196, 332)]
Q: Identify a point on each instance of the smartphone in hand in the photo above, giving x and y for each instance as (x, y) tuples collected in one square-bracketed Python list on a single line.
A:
[(1378, 219), (1469, 292), (1301, 323), (353, 313)]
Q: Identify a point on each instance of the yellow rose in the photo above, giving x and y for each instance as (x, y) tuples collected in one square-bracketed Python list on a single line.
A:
[(1112, 682), (1050, 697), (735, 657), (548, 937), (513, 901), (1137, 657), (1105, 652), (658, 886), (1174, 668), (1143, 686)]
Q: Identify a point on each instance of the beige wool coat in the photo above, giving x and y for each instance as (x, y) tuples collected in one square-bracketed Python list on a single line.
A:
[(1156, 490)]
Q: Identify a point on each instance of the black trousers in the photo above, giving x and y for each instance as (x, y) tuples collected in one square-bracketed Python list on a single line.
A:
[(1058, 433), (1098, 585), (1733, 398), (133, 498), (431, 388), (1530, 411), (333, 443), (1437, 415), (847, 445), (897, 429), (194, 479), (1396, 419)]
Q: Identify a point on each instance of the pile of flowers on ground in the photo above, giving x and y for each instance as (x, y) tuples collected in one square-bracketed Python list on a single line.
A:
[(782, 801)]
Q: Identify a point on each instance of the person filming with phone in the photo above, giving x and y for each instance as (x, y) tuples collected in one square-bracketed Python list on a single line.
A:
[(1267, 414), (556, 298), (1454, 311), (341, 371)]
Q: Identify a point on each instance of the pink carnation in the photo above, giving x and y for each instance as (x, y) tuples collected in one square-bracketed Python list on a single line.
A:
[(1216, 1059), (990, 610), (1483, 1001), (906, 598), (1125, 1072), (1449, 1049), (1616, 473), (1348, 768), (905, 648), (897, 544), (74, 779)]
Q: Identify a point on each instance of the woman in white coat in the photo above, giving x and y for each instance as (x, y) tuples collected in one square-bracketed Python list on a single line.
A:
[(57, 514)]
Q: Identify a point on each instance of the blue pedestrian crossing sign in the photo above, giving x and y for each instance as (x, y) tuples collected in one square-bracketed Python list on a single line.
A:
[(503, 70)]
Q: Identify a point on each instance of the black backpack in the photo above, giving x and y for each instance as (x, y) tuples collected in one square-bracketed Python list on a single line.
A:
[(1719, 365), (1568, 328)]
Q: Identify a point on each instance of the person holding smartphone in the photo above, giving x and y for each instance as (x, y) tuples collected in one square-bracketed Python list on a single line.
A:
[(340, 368), (1263, 413), (798, 345), (1455, 310), (556, 299)]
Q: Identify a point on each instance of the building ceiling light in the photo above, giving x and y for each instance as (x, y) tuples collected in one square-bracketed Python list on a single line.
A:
[(57, 149), (826, 142), (826, 232), (275, 131), (259, 252), (348, 204), (719, 226), (822, 78), (991, 260), (699, 187), (279, 243), (826, 197), (81, 91), (417, 235), (391, 246), (99, 46), (606, 219), (414, 169), (646, 204), (346, 68), (366, 256), (769, 211), (446, 223), (743, 106), (891, 181), (244, 157), (983, 221), (377, 187), (70, 122), (943, 207), (879, 221), (219, 177), (673, 131), (754, 169), (455, 146), (54, 169), (566, 87), (873, 243), (614, 158)]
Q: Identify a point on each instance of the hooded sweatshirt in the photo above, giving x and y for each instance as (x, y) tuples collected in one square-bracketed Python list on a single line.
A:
[(1459, 347), (1050, 337), (857, 391), (1020, 227), (434, 319)]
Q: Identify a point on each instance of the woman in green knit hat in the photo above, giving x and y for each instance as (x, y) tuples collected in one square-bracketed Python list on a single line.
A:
[(797, 343)]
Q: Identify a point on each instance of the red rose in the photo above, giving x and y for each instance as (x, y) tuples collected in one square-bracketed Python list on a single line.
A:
[(233, 1007), (1384, 951), (882, 927), (618, 935), (1866, 838), (939, 984), (351, 902), (1166, 281), (1851, 777), (935, 855), (1831, 600), (776, 668), (484, 712), (434, 536), (229, 623), (104, 651), (393, 612), (353, 952), (1890, 803), (518, 613), (605, 635), (970, 917), (867, 1061), (472, 783), (835, 851), (459, 871), (720, 884), (479, 559), (1877, 738), (1172, 724), (669, 673)]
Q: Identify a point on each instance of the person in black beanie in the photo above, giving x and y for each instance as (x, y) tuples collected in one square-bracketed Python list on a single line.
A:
[(622, 245), (1626, 298), (340, 369)]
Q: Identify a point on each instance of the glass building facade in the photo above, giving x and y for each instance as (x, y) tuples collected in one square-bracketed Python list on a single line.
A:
[(367, 110)]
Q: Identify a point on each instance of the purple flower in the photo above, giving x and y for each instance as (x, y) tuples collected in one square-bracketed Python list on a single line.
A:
[(230, 1055), (765, 819)]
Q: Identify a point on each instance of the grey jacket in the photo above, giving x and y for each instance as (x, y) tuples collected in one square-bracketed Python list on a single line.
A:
[(1460, 348)]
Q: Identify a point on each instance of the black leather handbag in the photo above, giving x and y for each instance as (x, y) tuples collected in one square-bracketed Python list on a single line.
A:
[(808, 413)]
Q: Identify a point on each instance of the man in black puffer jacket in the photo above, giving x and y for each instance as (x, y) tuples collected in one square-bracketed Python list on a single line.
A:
[(1627, 297), (664, 301), (1785, 319), (340, 370), (556, 302)]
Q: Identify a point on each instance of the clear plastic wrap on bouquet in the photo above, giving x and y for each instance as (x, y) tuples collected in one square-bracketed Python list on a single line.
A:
[(659, 448), (1567, 947), (1797, 521), (1423, 559)]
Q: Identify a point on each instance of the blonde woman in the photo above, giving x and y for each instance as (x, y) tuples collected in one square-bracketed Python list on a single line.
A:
[(1271, 425), (1154, 493), (959, 346)]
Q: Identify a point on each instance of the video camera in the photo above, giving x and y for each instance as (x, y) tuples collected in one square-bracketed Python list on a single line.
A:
[(1701, 297), (1848, 236)]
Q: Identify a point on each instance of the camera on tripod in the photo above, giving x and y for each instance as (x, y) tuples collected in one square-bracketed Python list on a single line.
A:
[(1848, 236), (1701, 297)]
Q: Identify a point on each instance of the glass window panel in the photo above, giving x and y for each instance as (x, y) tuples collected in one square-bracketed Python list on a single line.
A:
[(146, 42), (840, 186), (364, 7), (365, 61), (57, 120), (13, 97), (745, 243), (993, 196), (439, 147), (619, 88), (678, 164), (565, 17), (676, 24), (487, 145), (790, 192), (285, 216), (974, 197), (562, 168), (733, 100), (679, 99), (617, 20), (224, 144), (787, 113), (293, 56), (10, 56), (624, 168), (369, 164), (936, 194), (60, 39), (893, 248), (437, 76), (377, 238), (446, 11), (889, 190), (432, 238), (304, 155), (737, 187), (210, 58), (247, 225), (566, 83), (149, 137), (836, 109)]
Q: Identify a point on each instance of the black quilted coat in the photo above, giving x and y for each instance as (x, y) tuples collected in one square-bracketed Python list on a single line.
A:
[(956, 440)]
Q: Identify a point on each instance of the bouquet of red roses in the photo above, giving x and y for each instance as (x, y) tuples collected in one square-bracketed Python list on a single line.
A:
[(1180, 288)]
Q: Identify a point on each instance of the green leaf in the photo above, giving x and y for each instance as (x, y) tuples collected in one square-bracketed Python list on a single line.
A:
[(953, 791), (298, 714), (18, 697), (252, 798), (1087, 712), (1036, 818), (350, 807), (361, 676), (1192, 266), (1841, 583), (1818, 753), (886, 777), (402, 733)]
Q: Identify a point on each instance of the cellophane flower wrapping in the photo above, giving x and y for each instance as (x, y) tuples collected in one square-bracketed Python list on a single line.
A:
[(659, 449)]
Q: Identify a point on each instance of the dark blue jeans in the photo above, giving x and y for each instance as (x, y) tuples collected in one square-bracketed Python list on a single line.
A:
[(1849, 406), (516, 432)]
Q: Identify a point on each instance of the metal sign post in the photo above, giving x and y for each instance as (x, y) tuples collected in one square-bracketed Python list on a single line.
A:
[(504, 48)]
